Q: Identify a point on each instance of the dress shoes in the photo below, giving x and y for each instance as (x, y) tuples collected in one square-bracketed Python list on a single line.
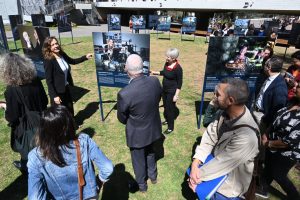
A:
[(20, 166), (168, 131), (164, 123)]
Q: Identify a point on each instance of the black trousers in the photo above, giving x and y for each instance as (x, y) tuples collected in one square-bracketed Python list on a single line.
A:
[(171, 112), (66, 99), (144, 165), (277, 168)]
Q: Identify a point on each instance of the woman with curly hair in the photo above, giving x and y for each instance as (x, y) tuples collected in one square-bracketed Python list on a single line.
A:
[(58, 72), (18, 74)]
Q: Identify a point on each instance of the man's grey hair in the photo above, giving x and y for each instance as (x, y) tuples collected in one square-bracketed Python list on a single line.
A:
[(238, 89), (16, 70), (134, 64), (173, 53)]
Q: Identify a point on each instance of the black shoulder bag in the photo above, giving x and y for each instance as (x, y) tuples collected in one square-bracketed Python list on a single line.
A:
[(25, 131)]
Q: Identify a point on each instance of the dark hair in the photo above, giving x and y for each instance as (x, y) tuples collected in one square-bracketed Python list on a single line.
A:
[(57, 129), (270, 49), (238, 89), (230, 31), (47, 53), (296, 55), (275, 64)]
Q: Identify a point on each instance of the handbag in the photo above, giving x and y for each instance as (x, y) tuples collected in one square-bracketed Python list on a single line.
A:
[(25, 131), (81, 181)]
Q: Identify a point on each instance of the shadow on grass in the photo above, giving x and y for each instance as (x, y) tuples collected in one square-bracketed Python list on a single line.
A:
[(113, 108), (119, 185), (16, 190), (89, 131), (277, 193), (86, 113), (186, 191), (163, 38), (187, 40), (78, 92)]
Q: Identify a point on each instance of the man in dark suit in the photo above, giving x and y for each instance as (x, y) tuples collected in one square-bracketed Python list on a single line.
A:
[(271, 98), (138, 108), (272, 95)]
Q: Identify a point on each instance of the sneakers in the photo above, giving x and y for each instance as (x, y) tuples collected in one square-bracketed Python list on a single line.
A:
[(262, 193), (168, 131), (154, 181)]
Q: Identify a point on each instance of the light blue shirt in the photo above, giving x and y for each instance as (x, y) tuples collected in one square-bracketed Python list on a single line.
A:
[(261, 94), (45, 178)]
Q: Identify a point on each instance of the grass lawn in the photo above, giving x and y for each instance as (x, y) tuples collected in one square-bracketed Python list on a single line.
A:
[(110, 134)]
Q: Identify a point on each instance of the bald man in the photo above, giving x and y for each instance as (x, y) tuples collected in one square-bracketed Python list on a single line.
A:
[(138, 108)]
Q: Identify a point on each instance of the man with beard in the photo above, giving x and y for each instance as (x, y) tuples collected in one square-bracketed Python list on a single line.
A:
[(231, 139)]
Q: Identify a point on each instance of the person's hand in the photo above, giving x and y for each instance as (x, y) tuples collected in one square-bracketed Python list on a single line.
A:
[(57, 100), (154, 72), (3, 105), (192, 186), (195, 174), (89, 56), (264, 139), (175, 98)]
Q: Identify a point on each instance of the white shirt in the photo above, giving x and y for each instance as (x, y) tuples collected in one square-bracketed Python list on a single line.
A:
[(64, 67), (261, 94)]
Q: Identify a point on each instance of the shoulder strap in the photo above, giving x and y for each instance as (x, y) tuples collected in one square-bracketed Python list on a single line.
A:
[(81, 181), (22, 98)]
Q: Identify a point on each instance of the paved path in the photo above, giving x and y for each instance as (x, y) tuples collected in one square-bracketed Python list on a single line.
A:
[(78, 31)]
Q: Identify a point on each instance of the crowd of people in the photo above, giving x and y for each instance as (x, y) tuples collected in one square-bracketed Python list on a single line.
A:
[(246, 143), (276, 117)]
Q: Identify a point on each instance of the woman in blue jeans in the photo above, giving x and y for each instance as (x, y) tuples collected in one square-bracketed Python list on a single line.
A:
[(52, 165)]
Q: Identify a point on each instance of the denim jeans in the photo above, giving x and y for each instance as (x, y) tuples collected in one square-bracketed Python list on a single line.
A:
[(218, 196)]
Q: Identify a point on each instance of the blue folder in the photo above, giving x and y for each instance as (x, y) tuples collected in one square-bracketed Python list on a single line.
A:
[(206, 189)]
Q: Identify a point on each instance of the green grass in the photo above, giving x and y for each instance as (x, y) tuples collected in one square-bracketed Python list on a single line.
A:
[(110, 134)]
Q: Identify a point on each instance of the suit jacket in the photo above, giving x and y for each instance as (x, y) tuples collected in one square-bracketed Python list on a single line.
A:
[(234, 152), (138, 108), (34, 96), (55, 77), (274, 98)]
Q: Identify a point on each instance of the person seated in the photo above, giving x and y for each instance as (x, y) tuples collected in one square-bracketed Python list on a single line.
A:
[(282, 142), (233, 148), (262, 30), (53, 164)]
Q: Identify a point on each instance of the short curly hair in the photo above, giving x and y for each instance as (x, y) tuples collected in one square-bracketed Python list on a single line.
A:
[(16, 70)]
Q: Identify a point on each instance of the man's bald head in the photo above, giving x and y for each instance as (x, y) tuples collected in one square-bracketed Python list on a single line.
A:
[(134, 64)]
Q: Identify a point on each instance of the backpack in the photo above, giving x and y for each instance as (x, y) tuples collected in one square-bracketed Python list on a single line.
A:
[(25, 131)]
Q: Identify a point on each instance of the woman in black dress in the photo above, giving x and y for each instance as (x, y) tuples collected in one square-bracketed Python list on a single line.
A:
[(172, 82), (282, 143), (58, 72), (19, 75)]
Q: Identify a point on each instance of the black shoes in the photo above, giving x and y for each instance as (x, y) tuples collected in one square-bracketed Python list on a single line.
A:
[(168, 131), (164, 123), (262, 193), (20, 166), (154, 181)]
